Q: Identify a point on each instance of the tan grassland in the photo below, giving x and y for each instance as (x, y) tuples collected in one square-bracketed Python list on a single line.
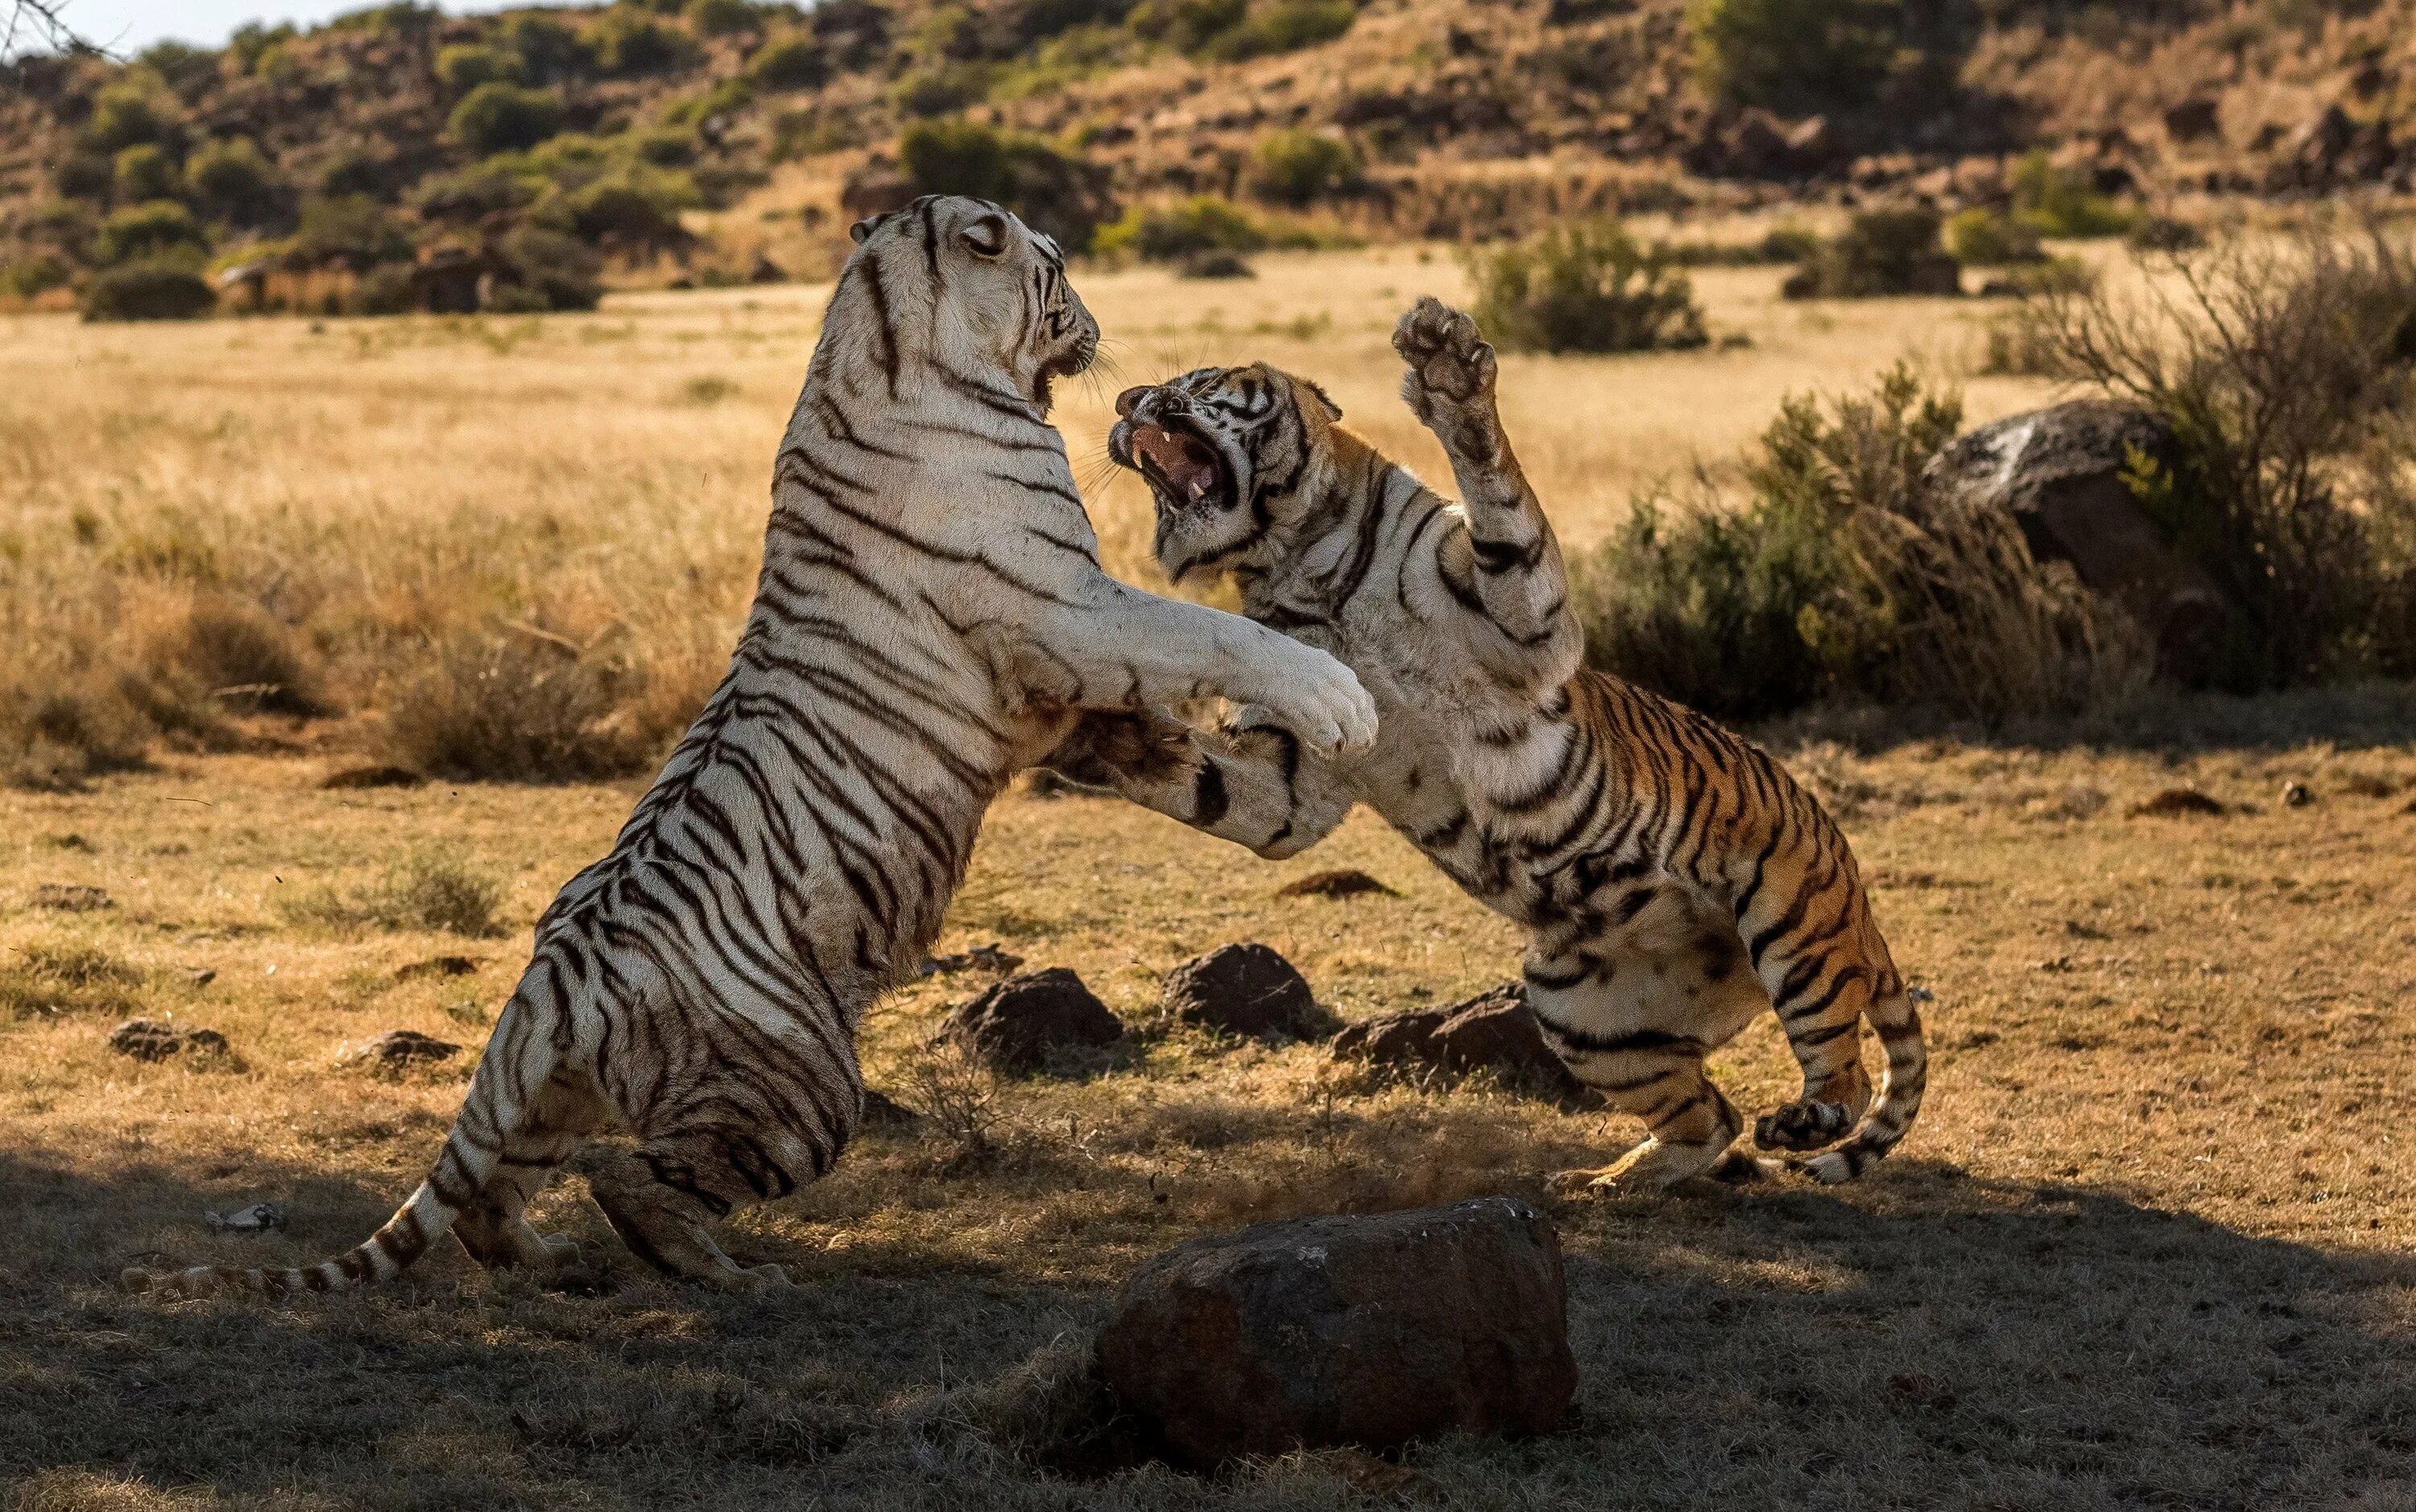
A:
[(2148, 1244)]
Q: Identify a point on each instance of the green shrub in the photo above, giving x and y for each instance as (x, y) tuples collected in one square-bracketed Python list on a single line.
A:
[(236, 653), (142, 172), (161, 228), (630, 44), (388, 289), (720, 18), (462, 67), (252, 42), (355, 232), (1984, 239), (549, 271), (1841, 575), (148, 291), (133, 112), (1794, 55), (500, 117), (229, 179), (549, 51), (1284, 26), (184, 68), (1780, 244), (637, 206), (2164, 233), (37, 274), (1053, 192), (943, 88), (1301, 167), (2059, 201), (469, 195), (789, 62), (1881, 252), (1186, 25), (1174, 234), (1587, 287)]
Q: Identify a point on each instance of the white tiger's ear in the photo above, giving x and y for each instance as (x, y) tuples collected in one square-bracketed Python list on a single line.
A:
[(1333, 411), (861, 229), (986, 235)]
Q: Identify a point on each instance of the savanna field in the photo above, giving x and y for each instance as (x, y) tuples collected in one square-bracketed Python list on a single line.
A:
[(2148, 1245)]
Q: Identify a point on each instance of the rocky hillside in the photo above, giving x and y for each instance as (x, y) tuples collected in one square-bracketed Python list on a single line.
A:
[(533, 153)]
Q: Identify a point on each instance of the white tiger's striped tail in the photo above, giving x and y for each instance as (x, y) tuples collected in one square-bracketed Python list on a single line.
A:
[(461, 1173)]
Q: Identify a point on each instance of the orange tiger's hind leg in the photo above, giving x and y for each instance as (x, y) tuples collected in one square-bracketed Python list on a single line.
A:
[(1690, 1127), (1821, 1003)]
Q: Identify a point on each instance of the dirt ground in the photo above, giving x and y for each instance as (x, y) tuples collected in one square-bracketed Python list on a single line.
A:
[(2148, 1245)]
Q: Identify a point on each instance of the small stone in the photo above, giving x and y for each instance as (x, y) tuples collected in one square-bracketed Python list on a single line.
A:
[(1369, 1331), (1023, 1022), (70, 897), (2175, 802), (438, 966), (397, 1049), (1345, 883), (201, 977), (351, 777), (2296, 795), (259, 1218), (991, 957), (149, 1040), (1246, 990)]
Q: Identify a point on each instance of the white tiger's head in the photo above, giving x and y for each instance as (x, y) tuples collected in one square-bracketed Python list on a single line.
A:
[(962, 283), (1226, 452)]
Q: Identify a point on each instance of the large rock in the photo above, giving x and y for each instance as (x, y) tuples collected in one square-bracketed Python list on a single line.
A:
[(1024, 1022), (1347, 1330), (2060, 472), (1495, 1029), (1246, 990)]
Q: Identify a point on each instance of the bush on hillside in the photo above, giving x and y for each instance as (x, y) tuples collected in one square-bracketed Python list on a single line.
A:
[(1840, 576), (1194, 227), (549, 51), (161, 228), (500, 117), (720, 18), (1981, 238), (1051, 191), (1587, 287), (629, 43), (355, 232), (1880, 253), (462, 67), (1300, 167), (230, 180), (1284, 26), (633, 208), (789, 62), (1794, 55), (142, 172), (148, 291), (129, 112), (2289, 374), (549, 272)]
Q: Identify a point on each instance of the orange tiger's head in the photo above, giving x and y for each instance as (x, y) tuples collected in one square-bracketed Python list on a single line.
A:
[(1226, 452)]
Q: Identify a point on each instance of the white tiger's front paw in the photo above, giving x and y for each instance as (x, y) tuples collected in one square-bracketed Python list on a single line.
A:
[(1320, 701)]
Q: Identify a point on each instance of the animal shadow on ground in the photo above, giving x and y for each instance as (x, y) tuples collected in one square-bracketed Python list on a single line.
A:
[(1927, 1339)]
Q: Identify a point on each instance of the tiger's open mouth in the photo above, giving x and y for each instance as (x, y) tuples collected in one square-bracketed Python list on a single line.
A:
[(1184, 470)]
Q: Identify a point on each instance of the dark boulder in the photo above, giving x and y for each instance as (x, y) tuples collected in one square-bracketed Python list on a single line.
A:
[(1246, 990), (1495, 1029), (1365, 1330), (1024, 1022), (2060, 472)]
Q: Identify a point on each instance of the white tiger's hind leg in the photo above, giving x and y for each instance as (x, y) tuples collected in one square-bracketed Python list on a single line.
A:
[(663, 1199), (494, 1228)]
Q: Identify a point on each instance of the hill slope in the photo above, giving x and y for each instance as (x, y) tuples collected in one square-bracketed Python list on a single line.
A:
[(532, 152)]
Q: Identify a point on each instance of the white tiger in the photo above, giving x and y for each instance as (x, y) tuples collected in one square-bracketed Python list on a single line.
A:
[(930, 617)]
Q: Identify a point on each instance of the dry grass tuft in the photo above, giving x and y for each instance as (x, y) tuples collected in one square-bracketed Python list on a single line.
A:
[(437, 888)]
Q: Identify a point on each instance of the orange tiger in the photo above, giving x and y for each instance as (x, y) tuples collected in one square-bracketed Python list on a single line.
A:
[(1673, 880)]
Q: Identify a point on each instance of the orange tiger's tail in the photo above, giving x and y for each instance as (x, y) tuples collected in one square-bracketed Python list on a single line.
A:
[(461, 1172), (1898, 1022)]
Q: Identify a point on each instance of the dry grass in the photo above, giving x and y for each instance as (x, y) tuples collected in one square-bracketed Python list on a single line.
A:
[(2146, 1243), (2146, 1246)]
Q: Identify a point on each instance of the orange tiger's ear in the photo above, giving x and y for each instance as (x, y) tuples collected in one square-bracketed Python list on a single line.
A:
[(861, 229), (1128, 399), (986, 235)]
